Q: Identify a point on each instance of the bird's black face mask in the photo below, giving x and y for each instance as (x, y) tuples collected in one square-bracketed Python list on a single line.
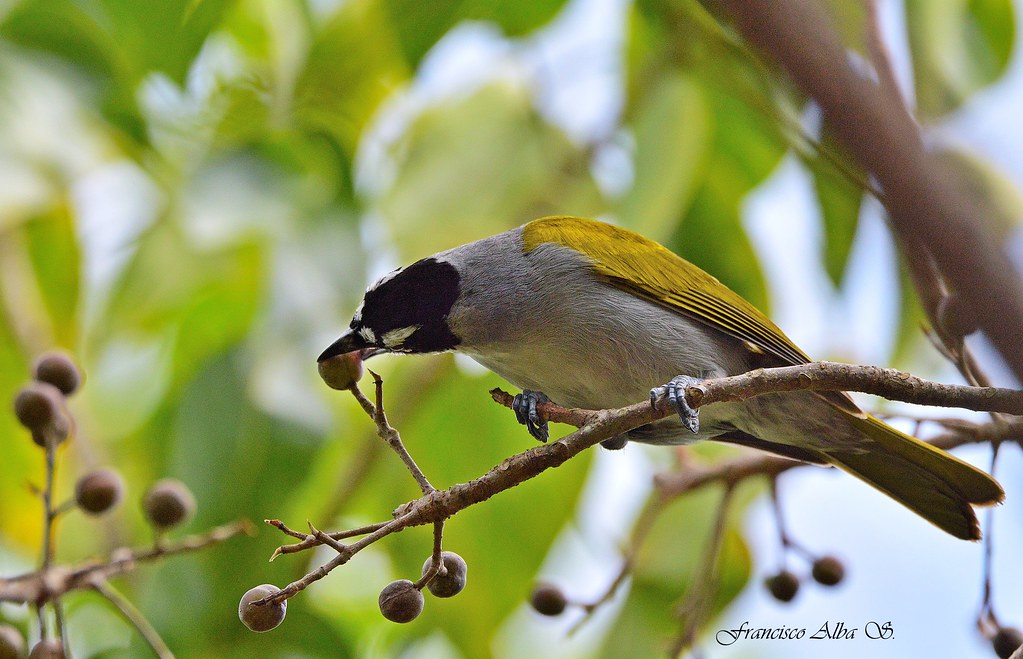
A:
[(405, 311)]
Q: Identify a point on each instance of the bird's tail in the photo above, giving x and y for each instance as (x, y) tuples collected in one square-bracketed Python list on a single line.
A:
[(930, 482)]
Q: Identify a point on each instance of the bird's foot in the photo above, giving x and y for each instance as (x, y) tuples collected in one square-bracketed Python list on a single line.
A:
[(524, 405), (675, 391)]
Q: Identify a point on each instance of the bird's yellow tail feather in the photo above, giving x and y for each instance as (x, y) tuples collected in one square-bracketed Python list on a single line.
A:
[(932, 483)]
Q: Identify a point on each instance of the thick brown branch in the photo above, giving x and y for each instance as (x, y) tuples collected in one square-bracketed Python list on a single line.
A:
[(435, 506), (818, 376), (596, 426), (831, 376), (925, 201)]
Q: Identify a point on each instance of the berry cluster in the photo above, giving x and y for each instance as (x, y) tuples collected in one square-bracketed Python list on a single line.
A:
[(41, 407), (826, 570), (400, 601)]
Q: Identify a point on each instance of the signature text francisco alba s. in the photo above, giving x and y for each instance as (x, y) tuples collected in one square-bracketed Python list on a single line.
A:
[(828, 631)]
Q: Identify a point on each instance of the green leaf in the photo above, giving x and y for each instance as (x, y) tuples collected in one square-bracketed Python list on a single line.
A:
[(65, 29), (53, 249), (204, 298), (119, 42), (472, 167), (22, 460), (352, 66), (712, 237), (840, 199), (671, 131), (747, 146), (748, 114), (420, 25), (161, 35), (957, 47)]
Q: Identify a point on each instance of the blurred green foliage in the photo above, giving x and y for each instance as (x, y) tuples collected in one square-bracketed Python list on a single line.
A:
[(195, 192)]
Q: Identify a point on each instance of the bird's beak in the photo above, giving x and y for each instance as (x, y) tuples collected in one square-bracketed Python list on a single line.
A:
[(349, 342)]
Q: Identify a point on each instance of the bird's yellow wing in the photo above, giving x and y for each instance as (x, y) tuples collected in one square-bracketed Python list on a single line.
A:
[(650, 271)]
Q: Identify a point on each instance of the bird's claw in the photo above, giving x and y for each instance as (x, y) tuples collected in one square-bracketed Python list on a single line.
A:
[(675, 391), (524, 405)]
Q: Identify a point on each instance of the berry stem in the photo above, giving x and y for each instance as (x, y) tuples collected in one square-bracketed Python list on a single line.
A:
[(49, 516), (696, 607), (987, 612), (388, 433), (58, 621), (134, 617), (48, 512), (66, 506), (437, 563)]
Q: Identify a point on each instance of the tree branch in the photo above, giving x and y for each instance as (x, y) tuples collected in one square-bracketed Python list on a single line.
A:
[(49, 584), (831, 376), (435, 506), (134, 617), (925, 201)]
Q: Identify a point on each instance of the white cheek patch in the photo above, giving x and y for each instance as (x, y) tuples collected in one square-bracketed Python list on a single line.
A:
[(368, 334), (396, 337)]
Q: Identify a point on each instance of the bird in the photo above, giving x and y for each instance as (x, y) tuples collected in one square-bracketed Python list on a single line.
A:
[(591, 315)]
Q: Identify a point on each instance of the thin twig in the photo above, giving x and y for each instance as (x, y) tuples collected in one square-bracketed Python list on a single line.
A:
[(391, 436), (429, 375), (47, 585), (281, 526), (437, 567), (343, 557), (64, 507), (644, 523), (309, 541), (325, 539), (41, 622), (696, 606), (50, 446), (50, 439), (134, 617), (598, 426), (58, 621), (595, 426)]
